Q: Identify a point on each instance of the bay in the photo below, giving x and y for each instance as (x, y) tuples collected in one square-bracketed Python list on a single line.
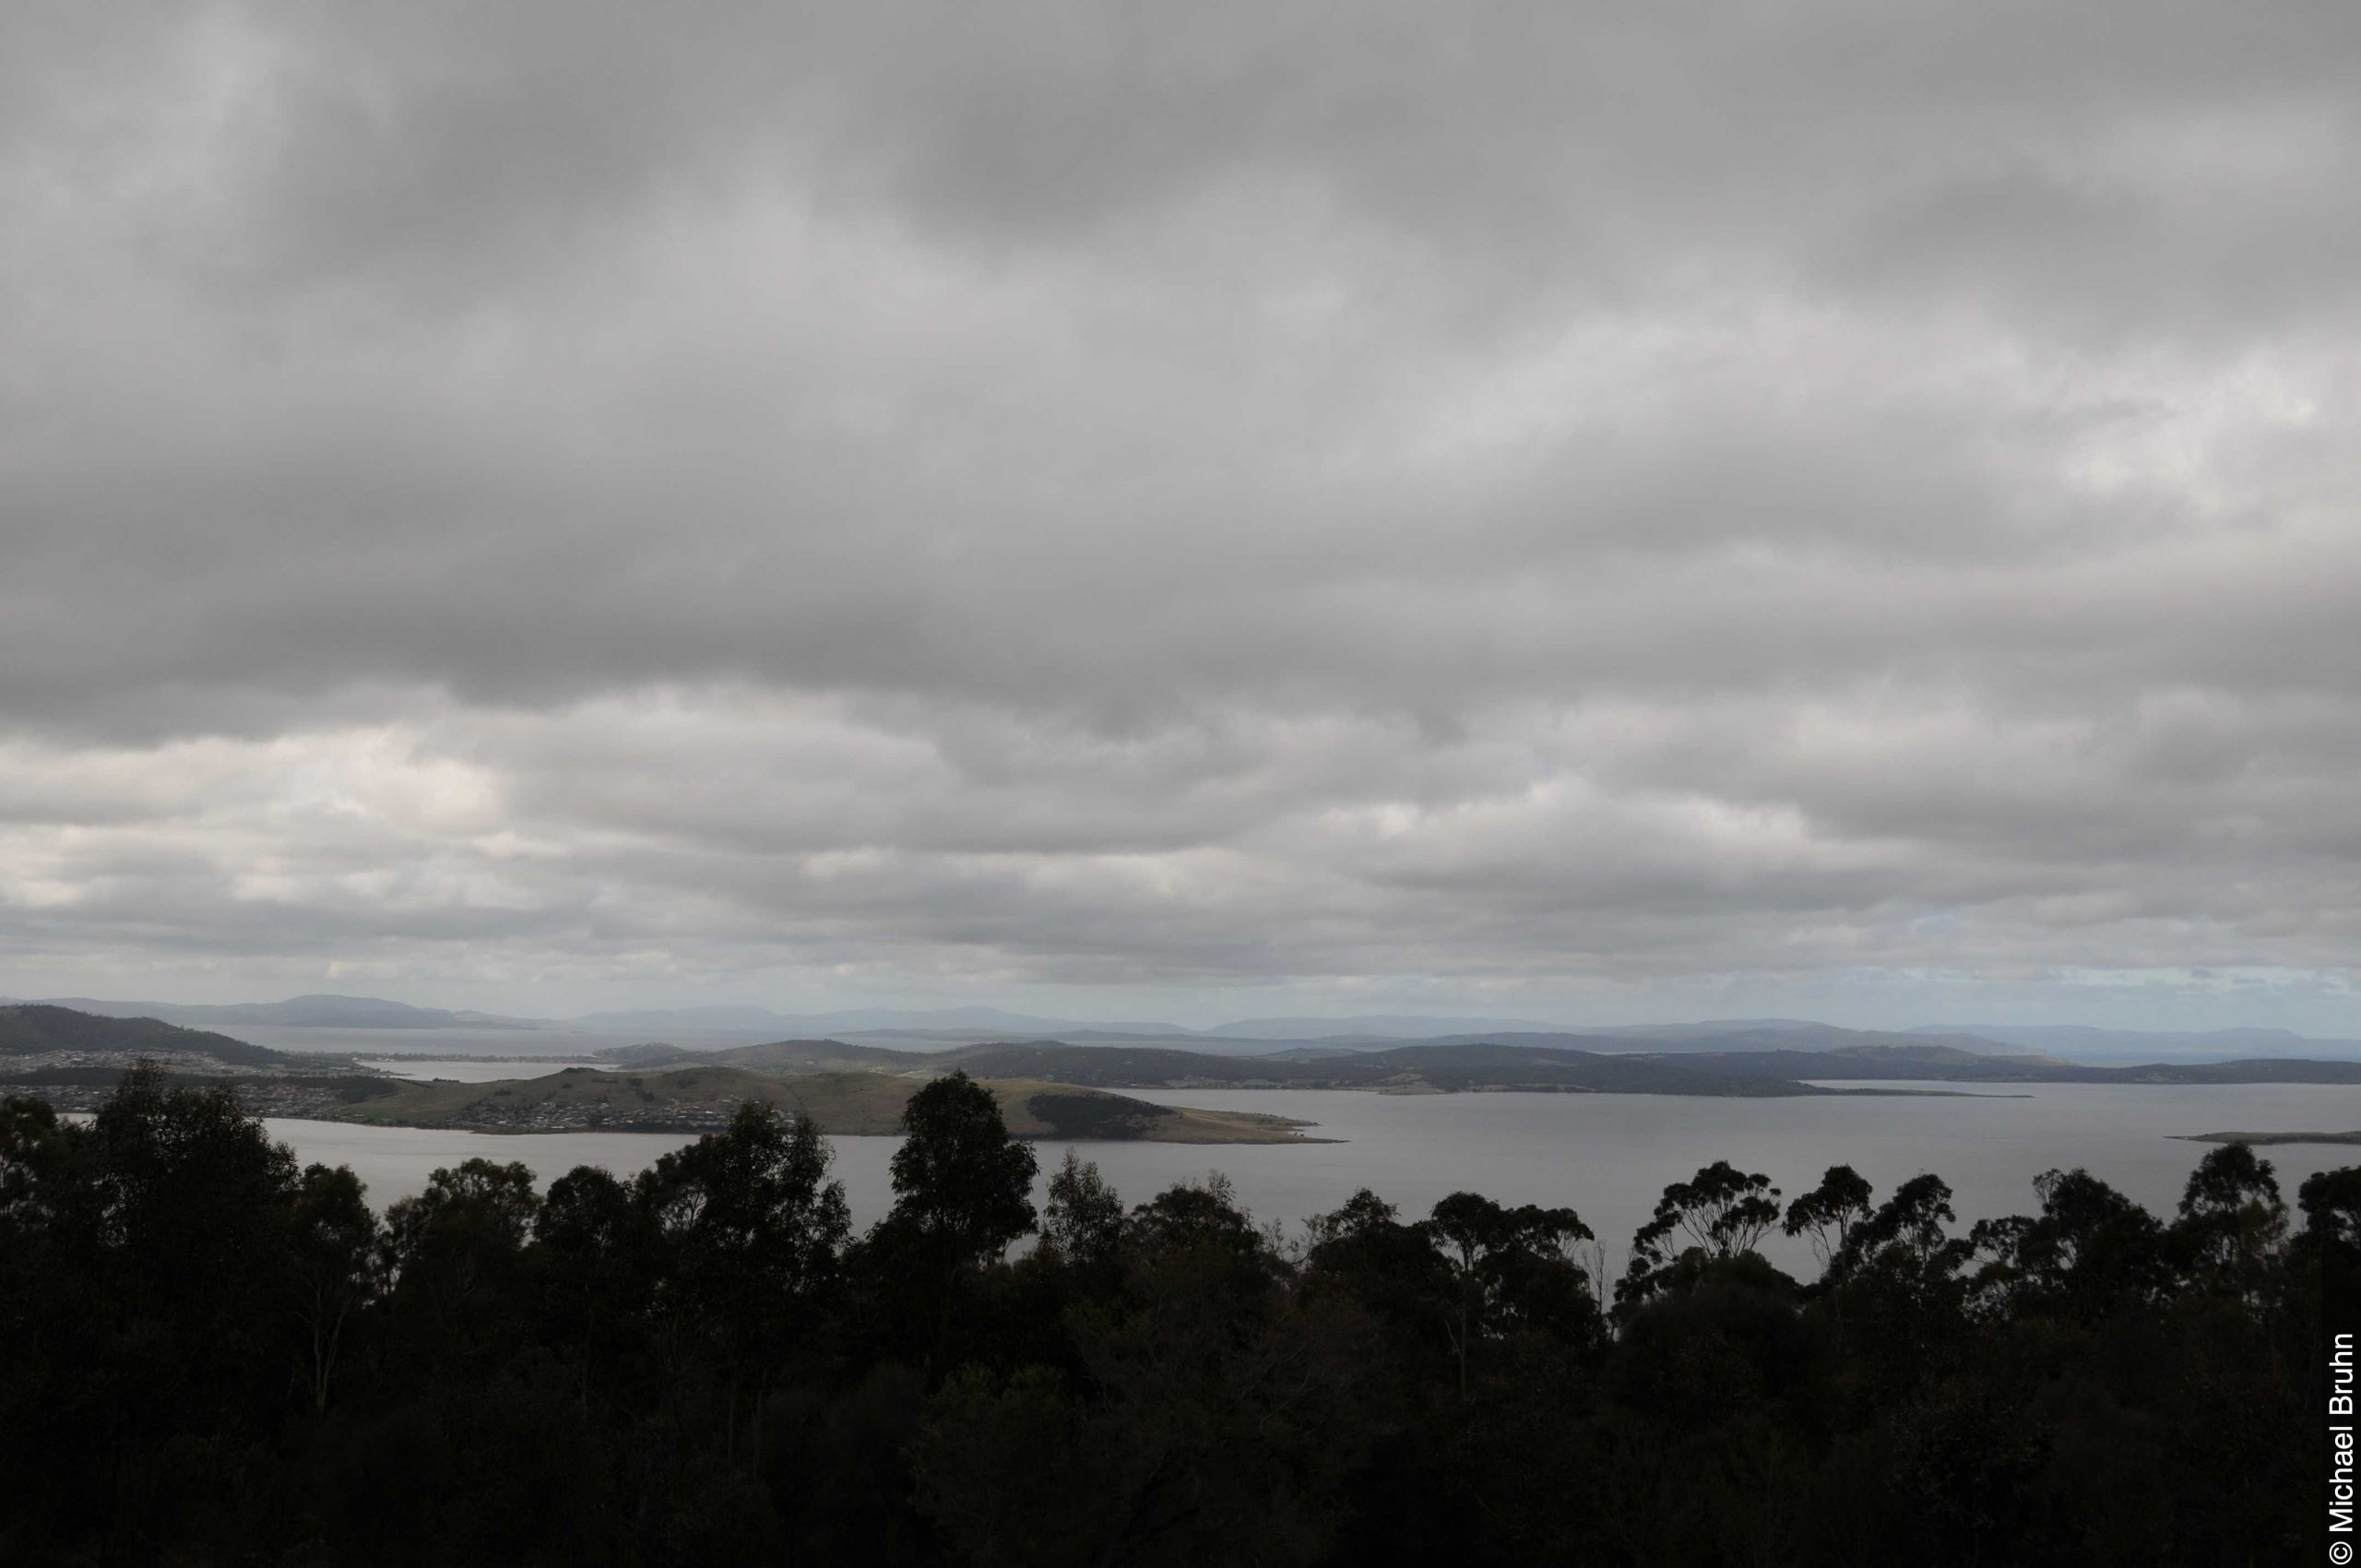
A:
[(1607, 1155), (471, 1070)]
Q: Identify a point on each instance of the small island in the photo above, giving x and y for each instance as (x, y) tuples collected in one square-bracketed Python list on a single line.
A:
[(2259, 1140), (841, 1104)]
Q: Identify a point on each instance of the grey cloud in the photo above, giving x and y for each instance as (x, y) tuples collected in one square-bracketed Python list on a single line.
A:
[(1278, 495), (1612, 141)]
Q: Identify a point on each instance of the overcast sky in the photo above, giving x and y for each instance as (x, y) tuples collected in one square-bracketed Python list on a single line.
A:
[(1604, 513)]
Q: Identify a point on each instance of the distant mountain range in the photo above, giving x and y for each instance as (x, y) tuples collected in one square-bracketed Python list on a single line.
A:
[(1409, 1068), (1457, 1066), (1368, 1026), (965, 1021), (302, 1012), (1735, 1035), (939, 1028), (48, 1050), (2081, 1039)]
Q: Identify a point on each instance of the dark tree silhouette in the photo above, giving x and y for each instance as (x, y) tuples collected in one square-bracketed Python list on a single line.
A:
[(333, 1251), (208, 1355), (958, 1176), (1721, 1212), (753, 1235), (2232, 1221), (2090, 1250), (1510, 1268), (1829, 1212), (451, 1252)]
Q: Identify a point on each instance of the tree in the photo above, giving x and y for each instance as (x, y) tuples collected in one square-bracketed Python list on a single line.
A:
[(193, 1188), (1722, 1211), (2232, 1221), (1830, 1211), (195, 1208), (477, 1203), (2090, 1250), (1913, 1219), (1084, 1221), (1510, 1268), (333, 1252), (450, 1253), (190, 1368), (1210, 1420), (1900, 1261), (959, 1178), (598, 1254), (1363, 1215), (31, 1140), (753, 1235), (1395, 1271), (1201, 1218), (2330, 1203), (157, 1351)]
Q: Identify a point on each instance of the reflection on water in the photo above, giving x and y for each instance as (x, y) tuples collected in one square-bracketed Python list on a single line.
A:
[(1608, 1156)]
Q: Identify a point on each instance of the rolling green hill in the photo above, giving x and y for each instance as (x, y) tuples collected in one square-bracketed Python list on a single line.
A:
[(788, 1056), (1411, 1069)]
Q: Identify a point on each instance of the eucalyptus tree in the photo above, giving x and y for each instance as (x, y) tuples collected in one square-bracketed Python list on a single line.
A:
[(752, 1236), (1721, 1213), (959, 1178), (1510, 1268)]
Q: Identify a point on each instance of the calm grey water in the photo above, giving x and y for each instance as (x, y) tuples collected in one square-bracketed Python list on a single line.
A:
[(469, 1070), (439, 1044), (1607, 1155)]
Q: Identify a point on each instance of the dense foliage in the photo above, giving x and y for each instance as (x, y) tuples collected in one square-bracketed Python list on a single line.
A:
[(213, 1356)]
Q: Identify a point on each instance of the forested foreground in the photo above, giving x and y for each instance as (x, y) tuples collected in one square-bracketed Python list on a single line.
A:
[(209, 1355)]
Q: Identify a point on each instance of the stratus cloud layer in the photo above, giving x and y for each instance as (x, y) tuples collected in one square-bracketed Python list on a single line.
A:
[(1154, 498)]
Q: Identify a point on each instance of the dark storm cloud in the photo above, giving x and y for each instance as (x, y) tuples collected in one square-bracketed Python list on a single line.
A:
[(1147, 496), (2180, 153)]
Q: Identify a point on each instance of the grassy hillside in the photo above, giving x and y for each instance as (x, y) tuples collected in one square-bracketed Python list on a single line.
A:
[(698, 1098), (1518, 1063), (786, 1056), (1413, 1069), (1402, 1069)]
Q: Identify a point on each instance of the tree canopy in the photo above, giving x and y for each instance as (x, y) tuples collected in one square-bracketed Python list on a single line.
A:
[(215, 1355)]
